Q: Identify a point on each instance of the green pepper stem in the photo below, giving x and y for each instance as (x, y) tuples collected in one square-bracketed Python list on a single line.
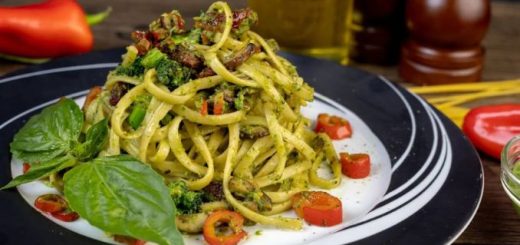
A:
[(97, 18), (23, 59)]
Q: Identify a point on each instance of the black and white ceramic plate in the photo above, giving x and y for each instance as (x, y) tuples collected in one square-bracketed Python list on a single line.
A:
[(425, 188)]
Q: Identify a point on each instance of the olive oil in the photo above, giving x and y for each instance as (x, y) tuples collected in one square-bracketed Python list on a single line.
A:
[(319, 28)]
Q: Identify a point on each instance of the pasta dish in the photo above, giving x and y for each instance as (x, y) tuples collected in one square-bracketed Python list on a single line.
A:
[(215, 112)]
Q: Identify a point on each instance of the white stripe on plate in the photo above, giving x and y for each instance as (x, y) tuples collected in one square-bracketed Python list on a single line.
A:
[(59, 69)]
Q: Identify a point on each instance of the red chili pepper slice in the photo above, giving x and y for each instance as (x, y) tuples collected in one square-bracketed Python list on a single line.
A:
[(318, 208), (335, 127), (66, 215), (235, 222), (356, 166), (490, 127), (50, 203)]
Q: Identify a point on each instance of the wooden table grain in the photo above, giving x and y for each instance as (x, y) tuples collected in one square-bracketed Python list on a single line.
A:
[(495, 221)]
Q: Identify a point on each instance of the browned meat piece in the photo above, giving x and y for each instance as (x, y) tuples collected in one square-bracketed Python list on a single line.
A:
[(141, 41), (214, 191), (253, 132), (206, 72), (241, 56), (186, 57), (118, 90), (213, 22), (229, 95)]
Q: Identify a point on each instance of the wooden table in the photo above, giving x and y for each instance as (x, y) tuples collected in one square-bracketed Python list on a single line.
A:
[(495, 222)]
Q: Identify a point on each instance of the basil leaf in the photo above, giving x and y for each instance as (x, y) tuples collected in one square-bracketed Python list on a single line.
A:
[(96, 139), (123, 196), (41, 170), (48, 134)]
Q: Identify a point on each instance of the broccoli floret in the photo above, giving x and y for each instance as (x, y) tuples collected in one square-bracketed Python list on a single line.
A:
[(152, 58), (133, 70), (192, 37), (171, 73), (186, 201)]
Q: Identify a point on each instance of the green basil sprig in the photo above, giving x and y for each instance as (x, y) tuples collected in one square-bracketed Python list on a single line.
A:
[(49, 134), (123, 196), (118, 194)]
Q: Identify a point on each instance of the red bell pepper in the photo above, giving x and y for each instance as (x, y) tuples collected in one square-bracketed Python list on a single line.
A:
[(490, 127), (44, 30)]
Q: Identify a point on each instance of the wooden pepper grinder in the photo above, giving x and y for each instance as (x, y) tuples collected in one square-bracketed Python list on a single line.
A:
[(445, 41)]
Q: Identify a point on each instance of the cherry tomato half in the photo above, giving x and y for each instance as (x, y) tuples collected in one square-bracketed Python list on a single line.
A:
[(318, 208), (356, 166), (50, 203), (235, 222), (335, 127)]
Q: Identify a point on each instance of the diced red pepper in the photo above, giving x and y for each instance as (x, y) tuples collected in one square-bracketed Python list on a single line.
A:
[(335, 127), (204, 107)]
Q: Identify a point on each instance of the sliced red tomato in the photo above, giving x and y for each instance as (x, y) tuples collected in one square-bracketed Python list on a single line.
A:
[(204, 107), (318, 208), (356, 166), (26, 167), (50, 203), (234, 221), (66, 215), (335, 127), (218, 105)]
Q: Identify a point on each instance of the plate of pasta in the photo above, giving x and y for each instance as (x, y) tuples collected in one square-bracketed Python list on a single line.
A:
[(211, 135)]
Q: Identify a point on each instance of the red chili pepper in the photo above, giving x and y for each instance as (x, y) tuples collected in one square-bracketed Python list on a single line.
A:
[(335, 127), (490, 127), (49, 29)]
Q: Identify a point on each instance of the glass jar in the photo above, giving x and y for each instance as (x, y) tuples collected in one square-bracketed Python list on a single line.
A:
[(510, 165), (320, 28)]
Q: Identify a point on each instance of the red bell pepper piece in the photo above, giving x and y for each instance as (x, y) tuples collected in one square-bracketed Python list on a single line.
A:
[(49, 29), (335, 127), (490, 127)]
